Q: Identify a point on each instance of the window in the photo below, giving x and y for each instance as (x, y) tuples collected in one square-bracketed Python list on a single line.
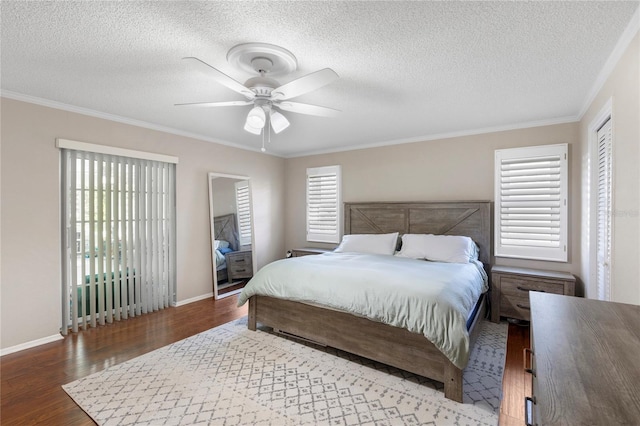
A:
[(243, 207), (531, 202), (323, 204), (603, 212), (118, 226)]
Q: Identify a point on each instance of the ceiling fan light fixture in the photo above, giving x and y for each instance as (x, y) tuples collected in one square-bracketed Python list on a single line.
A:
[(256, 118), (278, 121), (254, 130)]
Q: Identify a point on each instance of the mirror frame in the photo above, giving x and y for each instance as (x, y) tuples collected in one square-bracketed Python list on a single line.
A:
[(210, 177)]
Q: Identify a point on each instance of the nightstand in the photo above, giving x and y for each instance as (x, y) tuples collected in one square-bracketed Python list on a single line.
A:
[(239, 265), (307, 251), (510, 289)]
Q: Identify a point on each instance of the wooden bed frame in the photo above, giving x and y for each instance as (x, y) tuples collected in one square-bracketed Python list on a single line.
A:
[(377, 341)]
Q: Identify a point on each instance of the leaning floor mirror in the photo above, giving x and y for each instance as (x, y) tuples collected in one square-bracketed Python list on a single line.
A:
[(231, 223)]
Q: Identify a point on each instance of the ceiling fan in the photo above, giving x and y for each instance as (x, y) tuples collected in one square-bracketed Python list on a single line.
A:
[(263, 92)]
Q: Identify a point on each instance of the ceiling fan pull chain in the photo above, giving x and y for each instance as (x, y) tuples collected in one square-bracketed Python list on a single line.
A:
[(263, 148)]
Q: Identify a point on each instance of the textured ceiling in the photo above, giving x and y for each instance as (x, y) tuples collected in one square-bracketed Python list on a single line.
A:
[(408, 70)]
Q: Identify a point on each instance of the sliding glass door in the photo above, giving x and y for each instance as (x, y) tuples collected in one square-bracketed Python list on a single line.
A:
[(119, 237)]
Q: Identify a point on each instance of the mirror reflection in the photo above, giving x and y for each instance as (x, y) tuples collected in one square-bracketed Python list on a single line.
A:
[(231, 233)]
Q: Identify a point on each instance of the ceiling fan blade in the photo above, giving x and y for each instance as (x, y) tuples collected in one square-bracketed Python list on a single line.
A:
[(216, 104), (307, 109), (222, 78), (304, 84)]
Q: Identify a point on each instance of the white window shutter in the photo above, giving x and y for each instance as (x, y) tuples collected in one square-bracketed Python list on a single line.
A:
[(531, 202), (603, 212), (243, 207), (323, 204)]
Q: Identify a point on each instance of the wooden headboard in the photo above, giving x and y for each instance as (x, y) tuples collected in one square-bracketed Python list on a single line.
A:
[(225, 228), (467, 218)]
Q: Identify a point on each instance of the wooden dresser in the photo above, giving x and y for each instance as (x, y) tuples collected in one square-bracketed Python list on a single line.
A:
[(239, 265), (585, 362), (510, 289)]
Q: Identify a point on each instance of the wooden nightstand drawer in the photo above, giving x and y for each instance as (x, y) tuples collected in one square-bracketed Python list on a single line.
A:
[(514, 294), (239, 265), (510, 288), (520, 287), (515, 307), (239, 258), (239, 269)]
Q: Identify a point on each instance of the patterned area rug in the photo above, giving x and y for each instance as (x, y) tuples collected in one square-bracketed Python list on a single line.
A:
[(232, 376)]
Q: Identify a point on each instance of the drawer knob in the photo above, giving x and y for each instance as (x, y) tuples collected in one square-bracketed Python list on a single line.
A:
[(529, 289), (521, 306)]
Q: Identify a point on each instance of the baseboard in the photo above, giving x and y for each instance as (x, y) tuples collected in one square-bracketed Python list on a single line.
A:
[(194, 299), (31, 344), (56, 337)]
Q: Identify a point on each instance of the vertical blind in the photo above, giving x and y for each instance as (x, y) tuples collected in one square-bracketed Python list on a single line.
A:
[(603, 213), (323, 204), (243, 207), (119, 237), (531, 198)]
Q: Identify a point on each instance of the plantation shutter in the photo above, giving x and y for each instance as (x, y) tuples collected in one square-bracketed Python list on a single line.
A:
[(323, 204), (243, 207), (603, 213), (531, 203)]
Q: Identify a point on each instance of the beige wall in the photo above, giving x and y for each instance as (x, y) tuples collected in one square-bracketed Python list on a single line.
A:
[(462, 169), (30, 228), (623, 88), (441, 170)]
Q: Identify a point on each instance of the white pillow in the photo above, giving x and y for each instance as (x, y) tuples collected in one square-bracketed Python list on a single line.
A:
[(369, 243), (438, 248)]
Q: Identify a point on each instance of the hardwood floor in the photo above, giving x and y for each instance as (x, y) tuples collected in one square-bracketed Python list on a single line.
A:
[(31, 380), (516, 384), (239, 285)]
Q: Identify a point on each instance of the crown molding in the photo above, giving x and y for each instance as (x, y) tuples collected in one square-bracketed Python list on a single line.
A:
[(119, 119), (448, 135), (621, 46)]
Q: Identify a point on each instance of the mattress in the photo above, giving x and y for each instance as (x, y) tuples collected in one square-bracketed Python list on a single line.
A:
[(431, 298)]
